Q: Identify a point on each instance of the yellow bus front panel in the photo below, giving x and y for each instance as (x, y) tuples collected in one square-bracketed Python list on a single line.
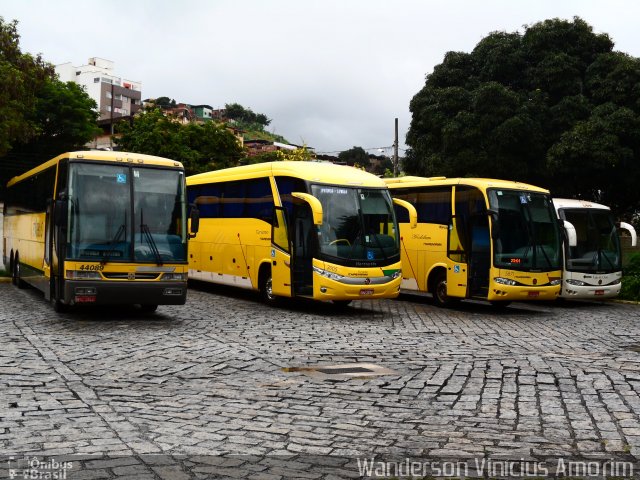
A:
[(513, 285), (336, 282)]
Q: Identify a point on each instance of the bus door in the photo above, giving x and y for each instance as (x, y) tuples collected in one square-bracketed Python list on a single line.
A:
[(303, 249), (48, 248), (280, 254), (471, 227)]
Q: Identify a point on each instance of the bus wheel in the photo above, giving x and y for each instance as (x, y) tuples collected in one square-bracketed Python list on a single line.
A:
[(58, 306), (266, 289), (439, 291), (12, 269), (16, 274), (146, 308)]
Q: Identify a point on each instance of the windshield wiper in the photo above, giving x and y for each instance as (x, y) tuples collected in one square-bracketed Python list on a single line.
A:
[(144, 228), (112, 244)]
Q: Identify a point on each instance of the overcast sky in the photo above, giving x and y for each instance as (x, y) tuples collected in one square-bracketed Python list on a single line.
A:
[(330, 73)]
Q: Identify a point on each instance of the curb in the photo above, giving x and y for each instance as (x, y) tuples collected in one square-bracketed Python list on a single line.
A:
[(626, 302)]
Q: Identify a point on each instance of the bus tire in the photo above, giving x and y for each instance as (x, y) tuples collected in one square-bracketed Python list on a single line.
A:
[(266, 288), (58, 306), (148, 308), (17, 281), (439, 290), (11, 268)]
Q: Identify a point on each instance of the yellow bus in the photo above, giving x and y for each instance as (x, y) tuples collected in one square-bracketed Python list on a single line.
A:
[(296, 229), (479, 238), (99, 228)]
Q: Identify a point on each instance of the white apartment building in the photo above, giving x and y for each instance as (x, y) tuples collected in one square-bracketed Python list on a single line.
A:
[(115, 95)]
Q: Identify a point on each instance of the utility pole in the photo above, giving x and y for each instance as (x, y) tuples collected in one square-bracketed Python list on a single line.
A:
[(395, 151), (111, 122)]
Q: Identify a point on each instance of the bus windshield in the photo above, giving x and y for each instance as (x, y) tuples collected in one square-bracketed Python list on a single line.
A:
[(358, 225), (126, 213), (598, 246), (528, 236)]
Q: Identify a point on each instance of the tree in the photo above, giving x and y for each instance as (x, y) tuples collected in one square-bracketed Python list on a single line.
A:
[(354, 155), (552, 103), (199, 147), (66, 118), (22, 76)]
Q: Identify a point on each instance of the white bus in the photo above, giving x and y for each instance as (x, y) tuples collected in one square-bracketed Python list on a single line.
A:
[(592, 255)]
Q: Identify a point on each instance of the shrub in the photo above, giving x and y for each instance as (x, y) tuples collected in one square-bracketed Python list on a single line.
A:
[(631, 279)]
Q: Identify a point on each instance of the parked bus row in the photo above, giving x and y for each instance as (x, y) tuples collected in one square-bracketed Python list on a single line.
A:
[(122, 228)]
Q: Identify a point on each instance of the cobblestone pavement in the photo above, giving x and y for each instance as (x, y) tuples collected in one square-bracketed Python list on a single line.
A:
[(210, 390)]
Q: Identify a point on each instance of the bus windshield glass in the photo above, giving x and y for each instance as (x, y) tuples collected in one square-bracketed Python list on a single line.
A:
[(126, 214), (528, 236), (598, 246), (358, 225)]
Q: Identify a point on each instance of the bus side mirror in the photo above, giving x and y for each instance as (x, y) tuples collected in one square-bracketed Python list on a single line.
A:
[(495, 224), (194, 217), (570, 230), (60, 212), (413, 213), (632, 231), (314, 203)]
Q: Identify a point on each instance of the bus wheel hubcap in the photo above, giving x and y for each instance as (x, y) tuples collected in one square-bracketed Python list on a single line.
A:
[(268, 286)]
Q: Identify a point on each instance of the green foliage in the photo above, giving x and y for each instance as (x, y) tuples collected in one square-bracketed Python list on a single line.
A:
[(66, 117), (354, 155), (630, 289), (22, 77), (245, 116), (200, 148), (552, 103), (165, 102), (301, 154)]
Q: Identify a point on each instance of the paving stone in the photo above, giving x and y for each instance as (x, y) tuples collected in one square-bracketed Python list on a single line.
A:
[(144, 395)]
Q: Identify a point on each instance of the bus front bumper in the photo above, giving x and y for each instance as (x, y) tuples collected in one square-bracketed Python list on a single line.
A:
[(327, 289), (523, 293), (89, 292), (594, 292)]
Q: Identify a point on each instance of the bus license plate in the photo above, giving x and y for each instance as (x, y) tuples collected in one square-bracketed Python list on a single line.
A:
[(366, 291), (599, 292), (534, 294)]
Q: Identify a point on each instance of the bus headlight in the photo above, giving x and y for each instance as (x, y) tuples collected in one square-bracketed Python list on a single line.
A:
[(174, 277), (83, 275), (615, 282), (505, 281), (396, 274), (329, 275), (555, 281), (577, 283)]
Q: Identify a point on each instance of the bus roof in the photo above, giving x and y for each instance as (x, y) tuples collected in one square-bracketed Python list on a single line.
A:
[(321, 172), (481, 183), (101, 156), (573, 203)]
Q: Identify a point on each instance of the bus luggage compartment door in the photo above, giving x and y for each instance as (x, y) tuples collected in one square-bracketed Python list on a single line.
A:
[(457, 280), (280, 273)]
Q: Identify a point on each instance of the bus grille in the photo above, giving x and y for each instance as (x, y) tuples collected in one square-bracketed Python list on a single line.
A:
[(131, 276)]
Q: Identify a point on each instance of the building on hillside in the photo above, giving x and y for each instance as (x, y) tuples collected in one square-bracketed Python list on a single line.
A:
[(117, 97), (257, 147)]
